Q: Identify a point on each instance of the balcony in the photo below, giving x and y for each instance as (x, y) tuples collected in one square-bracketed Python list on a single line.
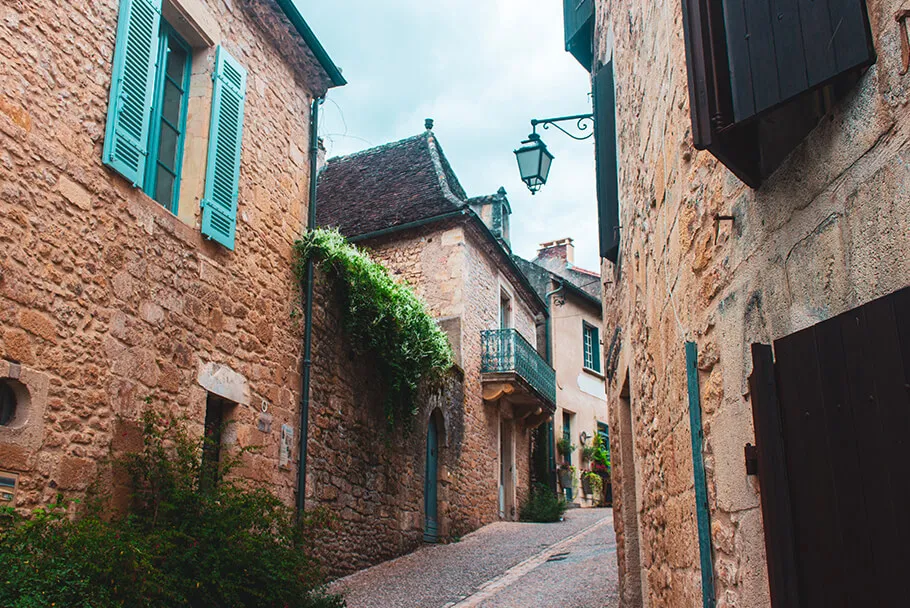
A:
[(512, 370)]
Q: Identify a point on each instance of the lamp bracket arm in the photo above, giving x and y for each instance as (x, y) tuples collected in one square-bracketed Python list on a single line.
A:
[(582, 123)]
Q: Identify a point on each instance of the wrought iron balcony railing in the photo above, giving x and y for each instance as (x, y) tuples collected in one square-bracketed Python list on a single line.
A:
[(507, 351)]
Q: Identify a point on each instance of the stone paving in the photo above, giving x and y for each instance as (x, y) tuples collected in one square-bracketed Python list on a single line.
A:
[(571, 564)]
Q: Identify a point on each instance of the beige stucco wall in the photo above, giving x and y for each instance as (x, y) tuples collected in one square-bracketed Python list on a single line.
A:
[(827, 232), (579, 391), (451, 268)]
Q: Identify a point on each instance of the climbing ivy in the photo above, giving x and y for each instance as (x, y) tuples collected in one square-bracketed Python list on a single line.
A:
[(383, 317)]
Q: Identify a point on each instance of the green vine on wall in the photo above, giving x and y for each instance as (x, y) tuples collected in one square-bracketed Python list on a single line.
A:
[(384, 318)]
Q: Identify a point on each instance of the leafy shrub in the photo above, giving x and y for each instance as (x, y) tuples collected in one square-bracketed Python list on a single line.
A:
[(601, 455), (595, 482), (543, 505), (183, 542), (588, 453), (565, 447), (383, 317)]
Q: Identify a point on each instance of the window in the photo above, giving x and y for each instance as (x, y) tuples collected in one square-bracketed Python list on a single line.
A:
[(591, 339), (567, 433), (7, 403), (146, 121), (607, 160), (168, 128), (604, 431), (752, 78), (505, 311), (215, 409)]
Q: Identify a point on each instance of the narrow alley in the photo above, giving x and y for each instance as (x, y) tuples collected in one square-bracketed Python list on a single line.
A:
[(503, 565)]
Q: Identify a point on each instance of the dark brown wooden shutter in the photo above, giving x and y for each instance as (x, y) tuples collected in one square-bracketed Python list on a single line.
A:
[(752, 65), (607, 170)]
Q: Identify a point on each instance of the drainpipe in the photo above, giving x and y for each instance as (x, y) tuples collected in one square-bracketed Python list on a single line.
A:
[(308, 314), (551, 437)]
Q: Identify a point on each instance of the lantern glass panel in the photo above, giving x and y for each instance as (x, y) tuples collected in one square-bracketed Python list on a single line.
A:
[(528, 161)]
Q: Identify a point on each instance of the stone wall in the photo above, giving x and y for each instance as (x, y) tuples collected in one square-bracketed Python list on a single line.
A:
[(826, 233), (450, 268), (368, 475), (108, 297)]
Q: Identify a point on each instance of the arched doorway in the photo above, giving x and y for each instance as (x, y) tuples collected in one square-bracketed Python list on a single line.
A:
[(431, 526)]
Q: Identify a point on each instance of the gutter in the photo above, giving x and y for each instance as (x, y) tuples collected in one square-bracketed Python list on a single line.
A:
[(408, 226), (293, 14), (308, 314)]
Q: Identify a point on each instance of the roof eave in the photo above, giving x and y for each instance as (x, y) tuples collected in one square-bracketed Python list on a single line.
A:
[(293, 14)]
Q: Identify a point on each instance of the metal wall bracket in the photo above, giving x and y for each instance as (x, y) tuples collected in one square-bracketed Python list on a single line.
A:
[(751, 459)]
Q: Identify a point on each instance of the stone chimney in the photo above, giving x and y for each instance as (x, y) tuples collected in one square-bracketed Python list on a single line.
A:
[(320, 155), (562, 249)]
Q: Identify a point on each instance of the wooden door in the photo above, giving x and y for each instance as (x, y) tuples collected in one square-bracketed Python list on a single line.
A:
[(832, 427), (431, 528)]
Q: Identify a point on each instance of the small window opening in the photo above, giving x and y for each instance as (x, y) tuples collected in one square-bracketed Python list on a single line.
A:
[(216, 409), (505, 311), (8, 403)]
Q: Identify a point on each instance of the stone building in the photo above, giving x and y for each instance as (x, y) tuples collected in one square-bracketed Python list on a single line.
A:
[(403, 202), (753, 188), (154, 176), (167, 283), (575, 341)]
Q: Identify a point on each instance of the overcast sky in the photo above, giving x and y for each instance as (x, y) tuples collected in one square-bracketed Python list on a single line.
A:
[(481, 69)]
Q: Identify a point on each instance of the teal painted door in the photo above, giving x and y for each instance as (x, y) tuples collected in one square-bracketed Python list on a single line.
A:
[(431, 530)]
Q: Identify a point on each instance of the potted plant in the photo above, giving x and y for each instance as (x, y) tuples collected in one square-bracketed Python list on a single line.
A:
[(565, 447), (589, 452), (586, 487), (566, 475)]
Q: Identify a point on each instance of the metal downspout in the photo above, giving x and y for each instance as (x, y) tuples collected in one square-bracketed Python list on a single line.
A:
[(702, 508), (308, 314), (551, 431)]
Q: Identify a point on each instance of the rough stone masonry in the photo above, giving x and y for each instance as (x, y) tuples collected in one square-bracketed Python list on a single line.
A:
[(110, 304), (828, 231)]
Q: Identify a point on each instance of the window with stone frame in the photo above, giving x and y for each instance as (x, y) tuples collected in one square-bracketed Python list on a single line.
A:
[(147, 113)]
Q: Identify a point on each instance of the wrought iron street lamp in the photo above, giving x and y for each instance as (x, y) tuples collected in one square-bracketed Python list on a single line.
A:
[(534, 159), (534, 162)]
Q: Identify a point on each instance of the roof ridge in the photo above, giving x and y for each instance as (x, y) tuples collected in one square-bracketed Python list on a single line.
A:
[(438, 157), (375, 149)]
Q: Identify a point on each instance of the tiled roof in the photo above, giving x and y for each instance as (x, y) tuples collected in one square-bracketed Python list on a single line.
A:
[(541, 271), (387, 186)]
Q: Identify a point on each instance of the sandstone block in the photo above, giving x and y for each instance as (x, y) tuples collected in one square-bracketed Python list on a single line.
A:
[(75, 473), (74, 193), (38, 324)]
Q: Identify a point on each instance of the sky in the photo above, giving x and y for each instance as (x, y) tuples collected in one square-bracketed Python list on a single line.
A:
[(482, 69)]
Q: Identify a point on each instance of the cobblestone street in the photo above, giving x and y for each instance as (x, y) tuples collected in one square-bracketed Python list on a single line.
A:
[(504, 565)]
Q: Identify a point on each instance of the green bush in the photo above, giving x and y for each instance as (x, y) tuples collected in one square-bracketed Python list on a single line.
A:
[(382, 317), (183, 542), (543, 505), (565, 447)]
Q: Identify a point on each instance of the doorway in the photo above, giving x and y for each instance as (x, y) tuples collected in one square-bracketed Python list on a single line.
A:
[(430, 488), (631, 584), (831, 410), (506, 471)]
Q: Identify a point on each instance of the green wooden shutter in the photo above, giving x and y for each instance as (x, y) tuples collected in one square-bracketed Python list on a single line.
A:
[(132, 84), (606, 159), (222, 175), (595, 348)]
